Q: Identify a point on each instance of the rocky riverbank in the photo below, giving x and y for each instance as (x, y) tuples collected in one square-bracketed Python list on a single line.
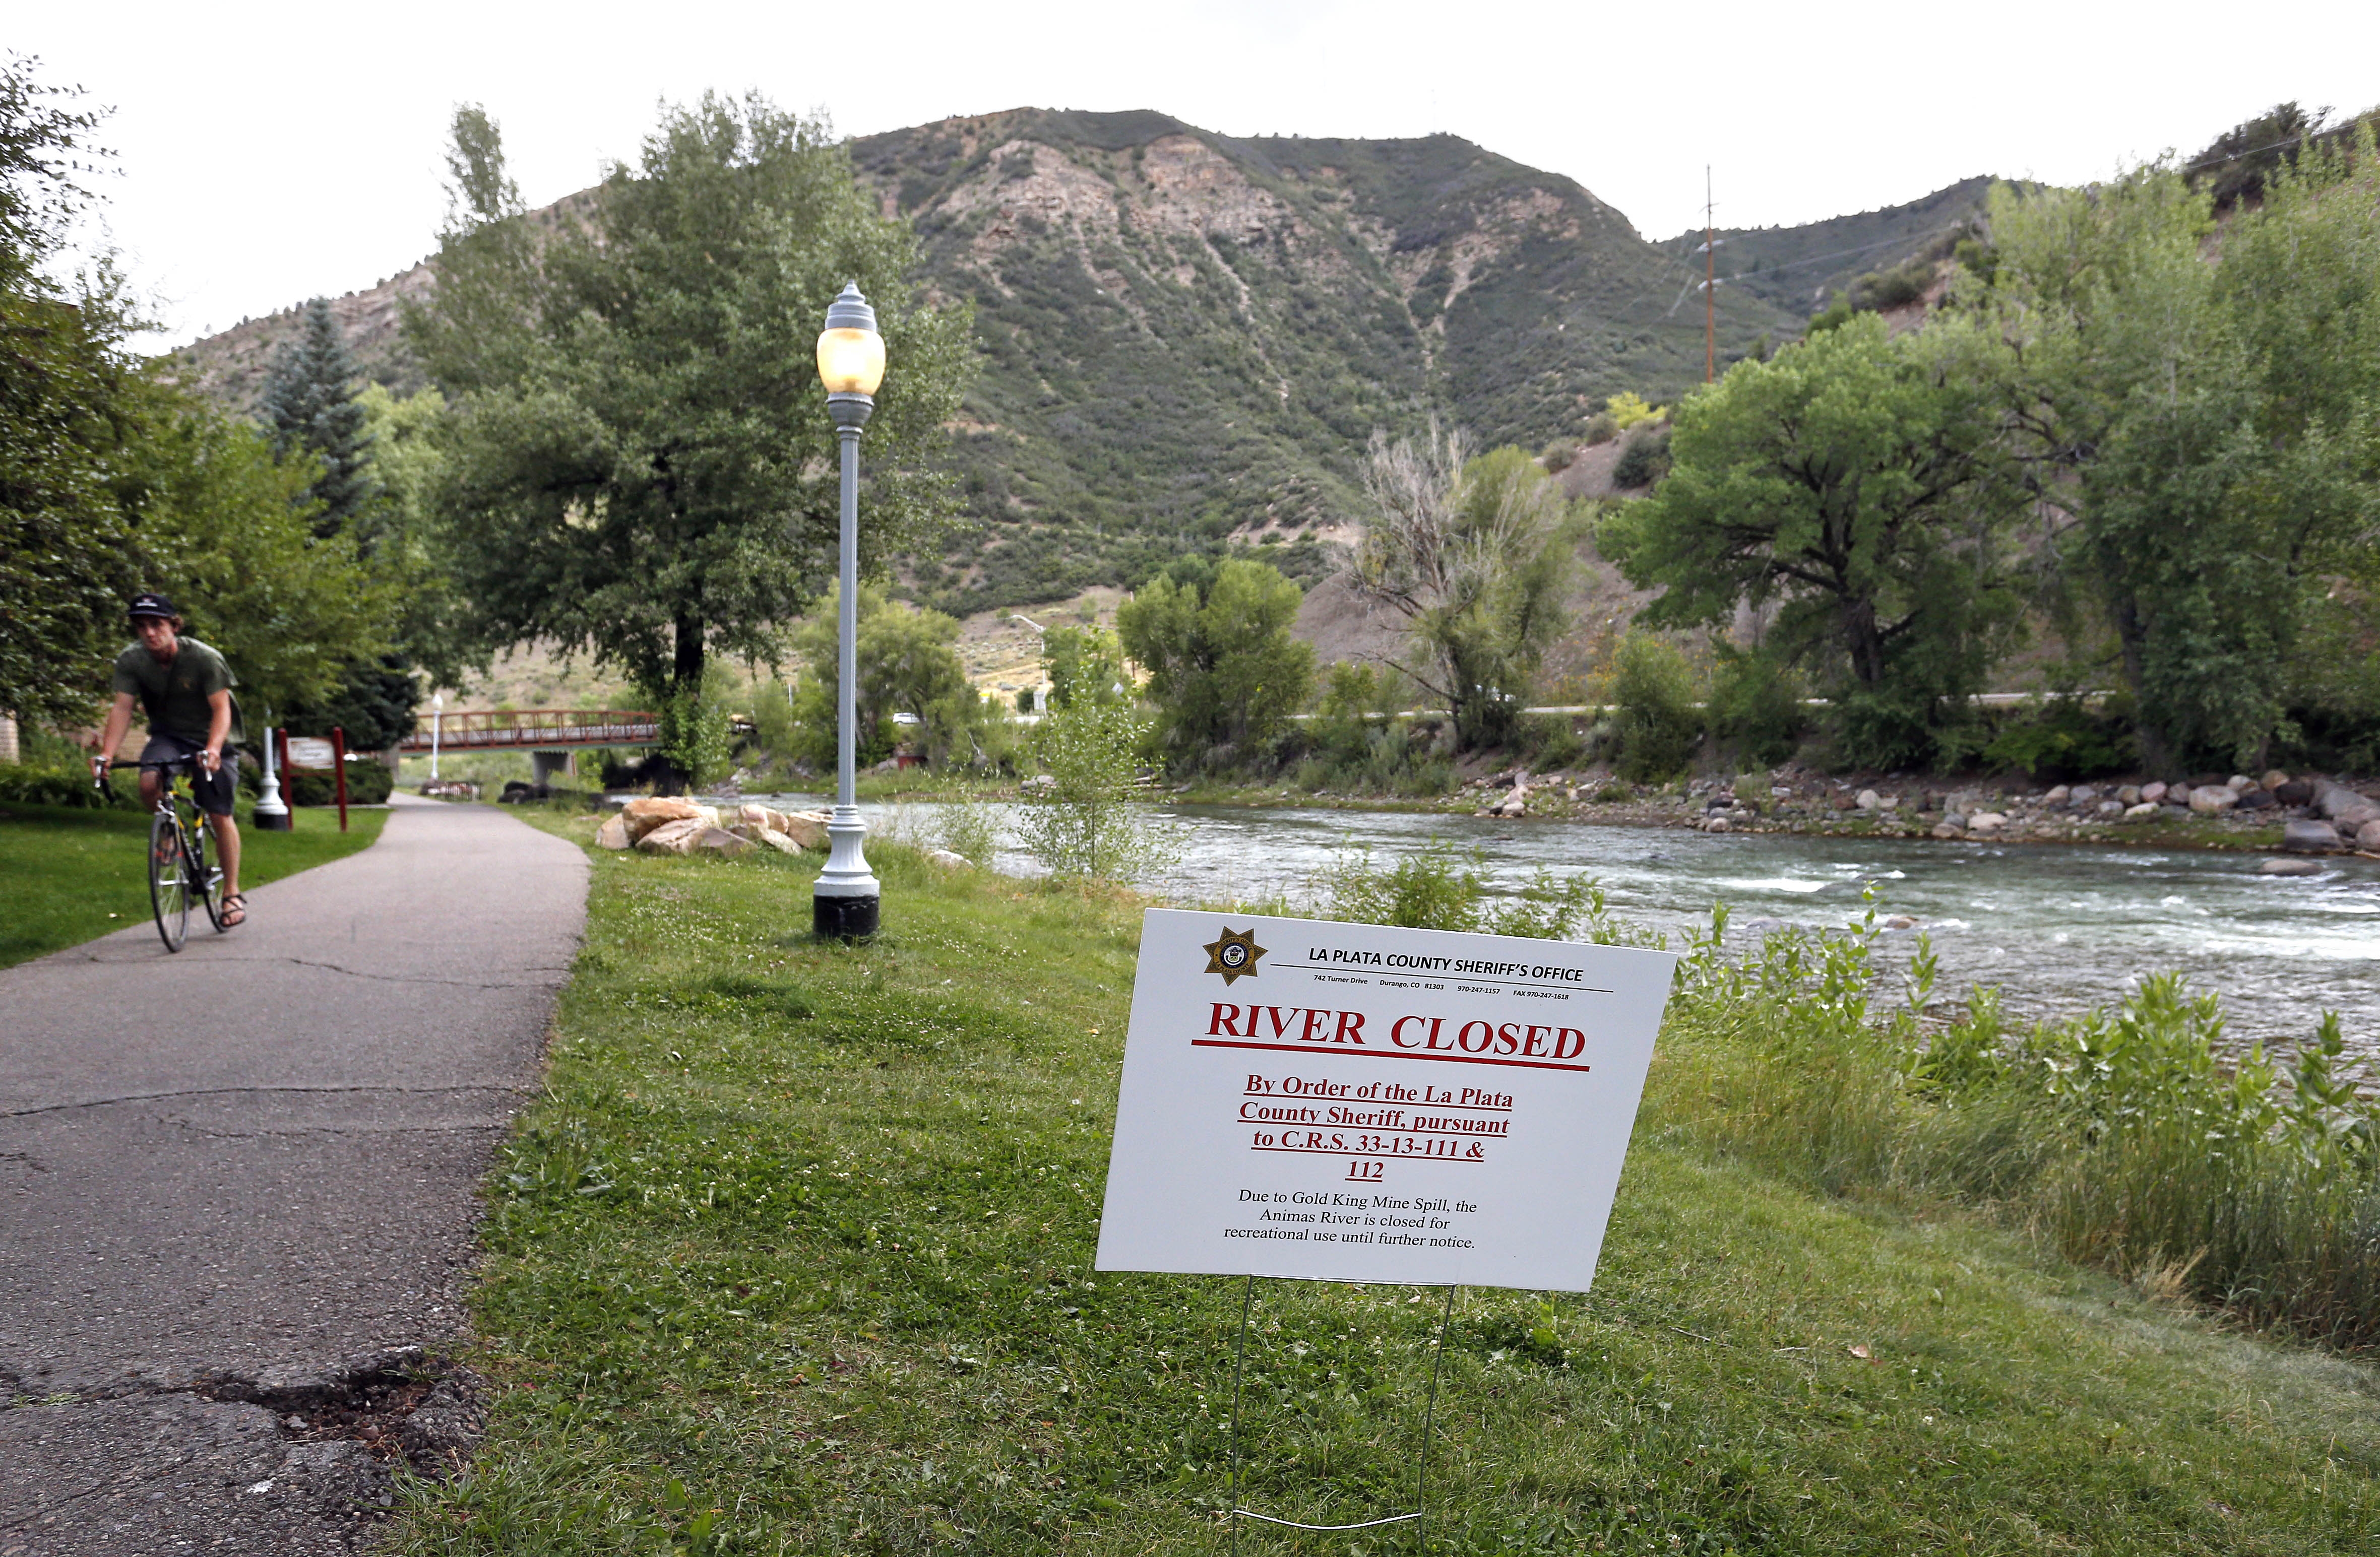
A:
[(2276, 811)]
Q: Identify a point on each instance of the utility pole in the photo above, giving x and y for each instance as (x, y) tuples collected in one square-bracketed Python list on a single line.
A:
[(1710, 285)]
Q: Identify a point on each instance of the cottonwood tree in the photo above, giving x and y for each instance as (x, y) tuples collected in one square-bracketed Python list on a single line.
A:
[(2207, 424), (1223, 668), (1474, 553), (1858, 483), (908, 663), (66, 564), (641, 463)]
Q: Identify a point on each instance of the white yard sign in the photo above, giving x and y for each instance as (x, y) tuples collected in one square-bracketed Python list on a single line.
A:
[(1354, 1103)]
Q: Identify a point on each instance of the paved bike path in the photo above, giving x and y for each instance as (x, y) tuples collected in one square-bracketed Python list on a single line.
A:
[(243, 1173)]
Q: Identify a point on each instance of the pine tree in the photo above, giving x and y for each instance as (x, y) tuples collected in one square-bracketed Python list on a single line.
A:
[(310, 404)]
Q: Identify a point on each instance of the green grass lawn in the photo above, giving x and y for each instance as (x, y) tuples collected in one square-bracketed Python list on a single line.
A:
[(72, 874), (794, 1256)]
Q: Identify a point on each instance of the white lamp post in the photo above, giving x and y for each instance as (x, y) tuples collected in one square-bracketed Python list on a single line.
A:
[(845, 901), (272, 814), (437, 708)]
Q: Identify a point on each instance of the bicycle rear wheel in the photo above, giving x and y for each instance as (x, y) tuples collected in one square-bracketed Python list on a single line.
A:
[(169, 880)]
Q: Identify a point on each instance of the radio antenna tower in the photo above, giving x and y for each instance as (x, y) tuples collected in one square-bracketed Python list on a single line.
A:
[(1710, 285)]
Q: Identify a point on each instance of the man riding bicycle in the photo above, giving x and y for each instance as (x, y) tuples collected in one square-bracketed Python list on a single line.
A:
[(185, 687)]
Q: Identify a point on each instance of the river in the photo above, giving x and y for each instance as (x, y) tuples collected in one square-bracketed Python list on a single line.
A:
[(2056, 928)]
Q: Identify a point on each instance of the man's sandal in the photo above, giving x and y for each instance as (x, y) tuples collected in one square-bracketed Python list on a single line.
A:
[(234, 910)]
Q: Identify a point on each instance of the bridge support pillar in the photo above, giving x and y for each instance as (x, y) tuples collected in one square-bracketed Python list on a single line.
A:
[(543, 765)]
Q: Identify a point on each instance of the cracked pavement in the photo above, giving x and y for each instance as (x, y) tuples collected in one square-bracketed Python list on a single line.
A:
[(235, 1177)]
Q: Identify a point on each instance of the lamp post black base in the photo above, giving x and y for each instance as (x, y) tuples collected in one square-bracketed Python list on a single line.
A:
[(844, 919), (267, 821)]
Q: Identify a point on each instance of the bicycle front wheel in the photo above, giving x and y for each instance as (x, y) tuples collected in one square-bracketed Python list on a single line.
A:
[(169, 881), (206, 876)]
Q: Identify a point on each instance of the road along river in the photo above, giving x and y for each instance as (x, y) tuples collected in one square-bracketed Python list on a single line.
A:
[(2059, 928)]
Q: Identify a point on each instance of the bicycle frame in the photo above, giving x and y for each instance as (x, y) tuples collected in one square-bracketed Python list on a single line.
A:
[(178, 868)]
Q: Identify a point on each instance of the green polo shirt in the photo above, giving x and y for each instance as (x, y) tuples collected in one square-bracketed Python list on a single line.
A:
[(175, 693)]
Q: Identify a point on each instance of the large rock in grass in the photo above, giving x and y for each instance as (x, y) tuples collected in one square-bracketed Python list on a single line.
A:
[(645, 813), (804, 828), (613, 833), (674, 837), (721, 842), (2310, 837)]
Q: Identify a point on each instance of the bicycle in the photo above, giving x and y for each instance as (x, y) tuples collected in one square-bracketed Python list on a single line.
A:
[(179, 869)]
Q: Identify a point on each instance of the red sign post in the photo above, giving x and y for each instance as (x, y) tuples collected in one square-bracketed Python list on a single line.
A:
[(339, 767)]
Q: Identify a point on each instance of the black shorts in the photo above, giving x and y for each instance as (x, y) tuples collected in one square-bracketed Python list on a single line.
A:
[(215, 791)]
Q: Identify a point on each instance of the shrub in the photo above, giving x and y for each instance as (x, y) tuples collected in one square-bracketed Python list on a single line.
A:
[(1896, 288), (27, 785), (1558, 455), (1755, 706), (369, 783), (1084, 825), (1433, 888), (1658, 724), (1601, 427), (2063, 736), (1549, 740), (1627, 408), (1360, 747), (969, 829), (1644, 461), (2136, 1139)]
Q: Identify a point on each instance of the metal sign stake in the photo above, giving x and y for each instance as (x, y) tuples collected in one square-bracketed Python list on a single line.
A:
[(1420, 1512)]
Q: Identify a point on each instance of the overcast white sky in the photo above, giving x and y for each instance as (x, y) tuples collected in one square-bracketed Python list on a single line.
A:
[(271, 151)]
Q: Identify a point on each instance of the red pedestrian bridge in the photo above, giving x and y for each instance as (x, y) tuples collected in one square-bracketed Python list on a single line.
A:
[(544, 730)]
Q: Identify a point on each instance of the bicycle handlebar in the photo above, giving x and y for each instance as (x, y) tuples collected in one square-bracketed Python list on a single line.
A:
[(99, 777)]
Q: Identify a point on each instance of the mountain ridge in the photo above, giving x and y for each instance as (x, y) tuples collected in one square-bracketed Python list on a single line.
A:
[(1187, 338)]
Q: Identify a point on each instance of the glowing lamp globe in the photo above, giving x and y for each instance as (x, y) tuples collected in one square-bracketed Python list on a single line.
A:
[(850, 352)]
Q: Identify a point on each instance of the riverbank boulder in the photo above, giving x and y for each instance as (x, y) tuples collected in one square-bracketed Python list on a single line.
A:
[(2213, 800), (806, 830), (647, 813), (2343, 806), (2288, 868), (2310, 837), (692, 835), (2367, 837), (674, 836)]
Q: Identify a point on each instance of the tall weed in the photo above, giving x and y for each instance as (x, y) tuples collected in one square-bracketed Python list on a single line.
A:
[(2128, 1138)]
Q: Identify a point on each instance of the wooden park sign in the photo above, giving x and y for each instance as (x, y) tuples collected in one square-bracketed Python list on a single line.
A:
[(1337, 1102), (317, 756)]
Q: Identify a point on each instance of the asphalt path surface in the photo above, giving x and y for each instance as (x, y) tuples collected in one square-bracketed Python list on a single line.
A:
[(237, 1188)]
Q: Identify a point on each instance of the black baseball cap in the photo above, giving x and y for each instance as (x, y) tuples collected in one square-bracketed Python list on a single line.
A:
[(151, 605)]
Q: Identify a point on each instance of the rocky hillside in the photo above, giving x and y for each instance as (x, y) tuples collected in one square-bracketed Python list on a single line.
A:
[(1189, 337), (1800, 268), (231, 367)]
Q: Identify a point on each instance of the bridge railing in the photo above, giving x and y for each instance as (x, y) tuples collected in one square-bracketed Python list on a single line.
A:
[(543, 727)]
